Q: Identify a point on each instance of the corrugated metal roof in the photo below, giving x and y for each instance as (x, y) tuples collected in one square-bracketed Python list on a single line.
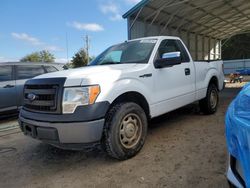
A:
[(216, 18)]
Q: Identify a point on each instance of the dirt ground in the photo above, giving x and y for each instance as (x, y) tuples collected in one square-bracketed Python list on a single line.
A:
[(183, 149)]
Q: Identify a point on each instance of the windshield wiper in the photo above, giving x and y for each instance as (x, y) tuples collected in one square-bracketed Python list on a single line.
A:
[(115, 63), (109, 63)]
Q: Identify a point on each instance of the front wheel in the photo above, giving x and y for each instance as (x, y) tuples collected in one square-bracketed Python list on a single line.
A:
[(209, 104), (125, 130)]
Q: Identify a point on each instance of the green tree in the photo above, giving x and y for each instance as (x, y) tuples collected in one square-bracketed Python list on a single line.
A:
[(69, 65), (41, 56), (80, 59), (46, 56)]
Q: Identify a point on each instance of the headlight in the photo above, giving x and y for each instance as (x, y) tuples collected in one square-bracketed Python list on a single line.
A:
[(79, 96)]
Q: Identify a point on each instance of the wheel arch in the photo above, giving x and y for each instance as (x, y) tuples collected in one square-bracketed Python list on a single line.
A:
[(136, 97), (214, 80)]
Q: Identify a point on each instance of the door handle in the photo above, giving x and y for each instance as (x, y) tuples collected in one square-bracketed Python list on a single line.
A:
[(8, 86), (187, 71)]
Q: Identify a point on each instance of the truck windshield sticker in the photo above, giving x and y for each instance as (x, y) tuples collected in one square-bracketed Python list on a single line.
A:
[(151, 41)]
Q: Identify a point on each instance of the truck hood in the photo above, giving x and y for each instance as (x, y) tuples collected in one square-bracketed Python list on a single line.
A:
[(89, 74)]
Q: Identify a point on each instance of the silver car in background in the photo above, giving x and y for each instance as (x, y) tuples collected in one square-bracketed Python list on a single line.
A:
[(12, 79)]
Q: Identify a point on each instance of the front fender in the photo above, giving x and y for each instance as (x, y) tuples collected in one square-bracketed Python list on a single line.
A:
[(109, 92)]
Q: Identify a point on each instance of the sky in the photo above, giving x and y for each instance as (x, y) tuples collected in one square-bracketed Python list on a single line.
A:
[(27, 26)]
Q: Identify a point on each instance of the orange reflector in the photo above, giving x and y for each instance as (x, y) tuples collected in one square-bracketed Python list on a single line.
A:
[(93, 93)]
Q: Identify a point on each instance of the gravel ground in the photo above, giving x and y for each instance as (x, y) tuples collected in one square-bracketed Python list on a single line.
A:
[(183, 149)]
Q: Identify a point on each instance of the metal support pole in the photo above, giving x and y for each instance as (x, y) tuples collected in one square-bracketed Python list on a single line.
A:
[(215, 42), (137, 15), (196, 47), (129, 30), (209, 48), (203, 47), (220, 51)]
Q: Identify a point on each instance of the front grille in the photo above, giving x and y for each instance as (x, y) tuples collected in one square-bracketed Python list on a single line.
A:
[(43, 95)]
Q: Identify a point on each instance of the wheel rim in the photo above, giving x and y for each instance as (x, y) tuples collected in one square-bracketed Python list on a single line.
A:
[(213, 99), (130, 130)]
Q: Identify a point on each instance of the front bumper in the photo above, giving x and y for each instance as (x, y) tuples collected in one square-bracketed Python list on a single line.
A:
[(69, 131), (234, 173), (64, 135)]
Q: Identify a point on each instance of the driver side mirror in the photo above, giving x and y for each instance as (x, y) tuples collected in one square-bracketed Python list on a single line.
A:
[(168, 60)]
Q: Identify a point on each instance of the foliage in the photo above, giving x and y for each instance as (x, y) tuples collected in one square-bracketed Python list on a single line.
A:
[(41, 56), (238, 47), (80, 59), (69, 65)]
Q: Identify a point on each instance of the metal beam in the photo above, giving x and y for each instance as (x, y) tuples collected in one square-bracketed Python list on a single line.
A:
[(169, 20), (209, 20), (204, 14), (196, 47), (181, 23), (229, 33), (235, 8), (213, 15), (203, 47), (193, 10), (212, 31), (235, 20), (209, 46), (241, 27), (188, 40), (137, 15), (158, 11), (206, 20), (178, 17)]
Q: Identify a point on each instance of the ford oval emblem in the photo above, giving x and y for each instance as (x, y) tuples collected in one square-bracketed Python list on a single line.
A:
[(31, 96)]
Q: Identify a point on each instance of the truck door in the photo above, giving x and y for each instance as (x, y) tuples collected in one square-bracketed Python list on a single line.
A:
[(7, 89), (174, 85)]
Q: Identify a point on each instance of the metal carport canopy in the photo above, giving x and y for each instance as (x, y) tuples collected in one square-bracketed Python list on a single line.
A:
[(217, 19)]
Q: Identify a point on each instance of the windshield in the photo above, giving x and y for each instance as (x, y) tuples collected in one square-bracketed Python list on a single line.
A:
[(138, 51)]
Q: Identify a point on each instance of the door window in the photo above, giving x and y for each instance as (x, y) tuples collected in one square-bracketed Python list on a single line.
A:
[(171, 45), (5, 73), (29, 71)]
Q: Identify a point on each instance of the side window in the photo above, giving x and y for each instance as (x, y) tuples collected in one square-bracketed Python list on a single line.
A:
[(185, 56), (171, 45), (6, 73), (29, 71), (50, 69)]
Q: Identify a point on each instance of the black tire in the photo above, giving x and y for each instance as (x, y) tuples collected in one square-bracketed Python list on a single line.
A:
[(120, 124), (230, 185), (207, 106)]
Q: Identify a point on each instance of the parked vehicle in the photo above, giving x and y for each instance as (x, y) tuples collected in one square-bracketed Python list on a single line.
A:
[(12, 79), (111, 100), (238, 139), (244, 71)]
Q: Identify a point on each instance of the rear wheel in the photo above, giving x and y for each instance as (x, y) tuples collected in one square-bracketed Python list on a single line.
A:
[(209, 104), (125, 130)]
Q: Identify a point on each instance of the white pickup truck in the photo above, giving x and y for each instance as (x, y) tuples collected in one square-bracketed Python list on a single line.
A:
[(111, 100)]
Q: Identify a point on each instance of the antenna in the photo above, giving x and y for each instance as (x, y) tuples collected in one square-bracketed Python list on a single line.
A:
[(67, 47), (87, 45)]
